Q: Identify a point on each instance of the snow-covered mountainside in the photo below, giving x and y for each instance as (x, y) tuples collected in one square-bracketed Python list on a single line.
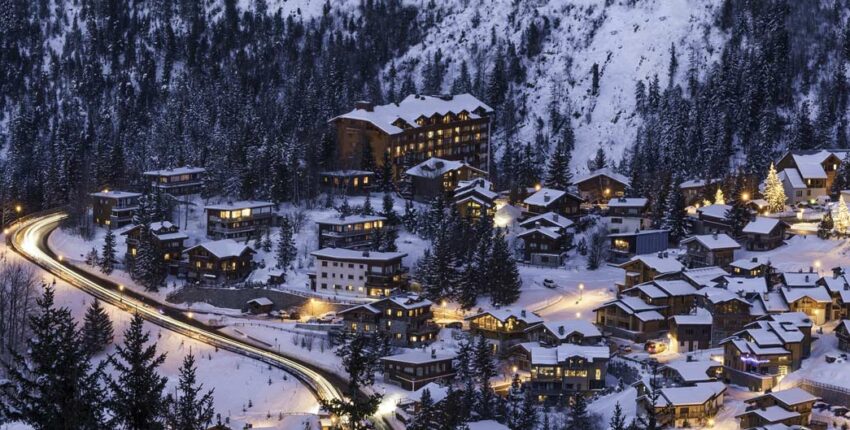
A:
[(628, 40)]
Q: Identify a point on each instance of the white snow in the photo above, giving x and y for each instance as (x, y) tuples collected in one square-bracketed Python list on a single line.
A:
[(223, 248), (408, 111), (605, 171), (714, 242), (761, 225), (563, 352)]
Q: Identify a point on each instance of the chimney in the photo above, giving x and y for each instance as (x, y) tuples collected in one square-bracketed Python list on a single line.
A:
[(766, 297), (836, 272), (546, 197), (561, 330), (807, 278), (433, 353), (754, 260), (438, 164), (365, 253), (447, 97), (666, 254), (522, 312), (365, 105), (811, 270), (660, 255), (690, 357), (537, 224), (714, 235), (554, 217)]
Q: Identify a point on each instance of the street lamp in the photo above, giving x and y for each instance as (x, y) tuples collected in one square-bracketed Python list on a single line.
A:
[(580, 291), (745, 196), (578, 314)]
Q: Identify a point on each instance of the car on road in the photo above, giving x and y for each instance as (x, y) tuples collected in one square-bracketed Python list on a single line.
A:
[(548, 283), (655, 346)]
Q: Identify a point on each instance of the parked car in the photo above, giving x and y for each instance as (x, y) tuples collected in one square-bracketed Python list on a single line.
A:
[(624, 349), (548, 283), (327, 318), (655, 346)]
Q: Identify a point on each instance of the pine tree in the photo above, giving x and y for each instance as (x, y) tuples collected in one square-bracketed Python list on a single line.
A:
[(108, 259), (558, 175), (427, 417), (189, 408), (464, 362), (502, 273), (842, 217), (409, 219), (148, 268), (578, 416), (440, 273), (367, 208), (675, 217), (738, 216), (826, 226), (774, 192), (137, 390), (718, 197), (600, 161), (53, 386), (618, 420), (97, 329), (388, 210), (485, 367), (597, 248), (842, 176), (286, 250)]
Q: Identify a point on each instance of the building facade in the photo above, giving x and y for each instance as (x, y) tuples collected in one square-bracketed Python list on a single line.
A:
[(219, 261), (179, 181), (239, 219), (363, 273), (357, 232), (114, 208)]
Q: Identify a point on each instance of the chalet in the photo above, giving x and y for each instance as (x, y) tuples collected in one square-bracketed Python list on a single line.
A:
[(839, 290), (747, 287), (797, 319), (676, 297), (730, 312), (758, 357), (406, 320), (626, 245), (815, 301), (770, 303), (567, 370), (645, 268), (550, 200), (455, 128), (347, 182), (754, 267), (712, 219), (701, 277), (554, 333), (796, 405), (808, 175), (758, 206), (551, 220), (631, 318), (239, 219), (696, 190), (762, 234), (166, 240), (362, 273), (690, 332), (219, 261), (710, 250), (416, 368), (545, 246), (436, 177), (771, 417), (692, 372), (259, 306), (503, 327), (627, 214), (691, 406), (180, 181), (602, 185), (842, 332), (474, 198), (357, 232), (114, 208)]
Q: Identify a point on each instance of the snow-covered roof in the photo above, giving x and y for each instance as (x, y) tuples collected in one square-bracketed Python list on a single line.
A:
[(410, 301), (818, 294), (434, 167), (793, 178), (435, 390), (351, 219), (746, 285), (772, 333), (630, 305), (561, 353), (809, 165), (714, 242), (628, 202), (773, 302), (114, 194), (700, 317), (223, 248), (749, 263), (563, 329), (693, 395), (798, 319), (695, 183), (838, 285), (186, 170), (546, 196), (675, 288), (603, 172), (483, 201), (550, 232), (171, 236), (800, 279), (648, 289), (243, 204), (347, 173), (761, 225), (485, 425), (759, 203), (659, 264), (261, 301), (721, 295), (504, 314), (366, 307), (693, 371), (771, 414), (704, 276), (479, 186), (790, 397), (420, 356), (350, 254), (649, 316), (548, 218), (747, 347), (715, 211), (414, 107), (159, 225)]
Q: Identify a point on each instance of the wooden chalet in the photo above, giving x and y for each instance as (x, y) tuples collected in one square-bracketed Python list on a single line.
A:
[(475, 198), (414, 369), (547, 200), (347, 182), (599, 186), (710, 250), (842, 332), (503, 327), (436, 177), (630, 318), (239, 219), (627, 215), (357, 232), (114, 208), (180, 181), (554, 333), (690, 332), (166, 239), (689, 406), (406, 320), (647, 267), (763, 234), (790, 407), (219, 261), (567, 370)]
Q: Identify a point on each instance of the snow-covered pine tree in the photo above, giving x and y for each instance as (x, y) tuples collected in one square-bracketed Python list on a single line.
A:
[(826, 225), (388, 239), (502, 273), (53, 386), (148, 268), (618, 420), (718, 197), (578, 415), (597, 247), (388, 210), (599, 161), (842, 177), (558, 174), (189, 408), (108, 259), (367, 208), (286, 251), (97, 329), (93, 258), (440, 273), (409, 219), (464, 361), (428, 415), (675, 217), (137, 400), (774, 191), (842, 216), (739, 216)]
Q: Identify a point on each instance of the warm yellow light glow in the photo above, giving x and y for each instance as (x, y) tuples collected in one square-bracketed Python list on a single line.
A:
[(580, 286), (817, 264), (5, 231), (514, 369), (18, 208), (190, 314), (578, 314), (745, 196), (537, 187), (61, 258), (607, 191), (121, 287), (443, 304)]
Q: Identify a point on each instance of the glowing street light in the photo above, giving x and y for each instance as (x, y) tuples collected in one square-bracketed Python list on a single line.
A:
[(745, 196), (580, 291), (578, 314), (18, 208)]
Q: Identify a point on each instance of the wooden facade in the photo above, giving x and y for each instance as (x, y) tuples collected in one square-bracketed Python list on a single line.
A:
[(436, 177), (166, 239), (503, 327), (601, 185), (347, 182), (239, 219), (567, 370), (114, 208), (358, 232), (219, 261), (406, 320), (179, 181), (415, 369)]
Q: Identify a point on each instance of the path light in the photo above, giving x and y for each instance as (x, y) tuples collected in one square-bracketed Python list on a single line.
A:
[(514, 369), (18, 208), (580, 291), (578, 314)]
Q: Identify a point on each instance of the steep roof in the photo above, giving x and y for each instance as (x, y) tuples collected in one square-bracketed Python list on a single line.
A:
[(793, 177), (810, 165), (761, 225), (563, 329), (659, 264), (714, 242), (546, 196), (414, 107), (223, 248), (550, 218), (818, 294), (560, 353), (546, 231), (436, 167), (603, 172)]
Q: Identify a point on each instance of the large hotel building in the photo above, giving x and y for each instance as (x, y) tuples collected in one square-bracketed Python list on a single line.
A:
[(420, 127)]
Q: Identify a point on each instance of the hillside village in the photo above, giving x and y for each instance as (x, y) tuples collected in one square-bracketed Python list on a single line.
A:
[(554, 302)]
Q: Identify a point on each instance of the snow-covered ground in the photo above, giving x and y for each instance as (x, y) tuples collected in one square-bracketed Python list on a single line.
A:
[(235, 379)]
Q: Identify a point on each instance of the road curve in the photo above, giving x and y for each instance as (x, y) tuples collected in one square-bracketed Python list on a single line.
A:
[(30, 240)]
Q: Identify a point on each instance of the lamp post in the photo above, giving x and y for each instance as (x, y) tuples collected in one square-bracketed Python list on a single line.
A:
[(580, 292), (121, 292)]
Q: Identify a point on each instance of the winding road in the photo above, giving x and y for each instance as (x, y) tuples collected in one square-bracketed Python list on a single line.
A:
[(29, 239)]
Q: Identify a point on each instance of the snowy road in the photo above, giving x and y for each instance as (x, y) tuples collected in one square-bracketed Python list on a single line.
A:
[(30, 240)]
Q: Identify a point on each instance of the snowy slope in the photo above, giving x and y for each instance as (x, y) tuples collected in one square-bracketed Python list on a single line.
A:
[(628, 42)]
